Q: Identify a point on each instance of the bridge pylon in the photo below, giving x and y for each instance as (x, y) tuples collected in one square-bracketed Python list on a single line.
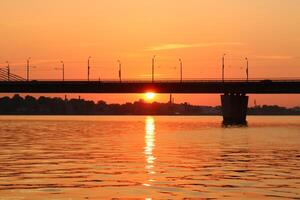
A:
[(234, 108)]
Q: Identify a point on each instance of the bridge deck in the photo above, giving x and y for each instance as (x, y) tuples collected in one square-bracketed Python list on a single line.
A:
[(204, 86)]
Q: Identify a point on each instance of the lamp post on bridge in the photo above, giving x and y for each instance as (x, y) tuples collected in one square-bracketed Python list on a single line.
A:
[(63, 70), (88, 74), (28, 66), (223, 66), (180, 62), (153, 64), (8, 71), (120, 72), (247, 69)]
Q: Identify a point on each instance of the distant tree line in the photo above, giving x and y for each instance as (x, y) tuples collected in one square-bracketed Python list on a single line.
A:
[(29, 105)]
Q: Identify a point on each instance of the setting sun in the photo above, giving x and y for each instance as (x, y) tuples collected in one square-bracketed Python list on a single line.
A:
[(150, 95)]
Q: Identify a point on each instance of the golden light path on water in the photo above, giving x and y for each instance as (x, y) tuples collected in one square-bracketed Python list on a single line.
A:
[(149, 147)]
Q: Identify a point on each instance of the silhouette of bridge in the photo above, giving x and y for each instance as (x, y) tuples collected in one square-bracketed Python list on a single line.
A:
[(234, 100), (170, 86)]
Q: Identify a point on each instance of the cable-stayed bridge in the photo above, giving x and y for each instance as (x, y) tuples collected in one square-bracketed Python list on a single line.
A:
[(5, 75)]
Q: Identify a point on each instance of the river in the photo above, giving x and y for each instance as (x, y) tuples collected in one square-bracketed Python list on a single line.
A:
[(165, 157)]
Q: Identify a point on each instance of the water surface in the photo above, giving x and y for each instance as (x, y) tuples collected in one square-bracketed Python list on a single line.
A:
[(100, 157)]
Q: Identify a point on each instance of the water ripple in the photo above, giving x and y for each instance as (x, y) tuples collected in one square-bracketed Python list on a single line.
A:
[(158, 157)]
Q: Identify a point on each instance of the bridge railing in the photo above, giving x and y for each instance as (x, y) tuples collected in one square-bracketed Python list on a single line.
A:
[(236, 80)]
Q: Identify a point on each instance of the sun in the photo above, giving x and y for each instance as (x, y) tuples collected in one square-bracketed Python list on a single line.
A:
[(150, 96)]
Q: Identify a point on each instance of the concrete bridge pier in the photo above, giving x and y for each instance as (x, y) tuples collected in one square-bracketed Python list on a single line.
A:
[(234, 108)]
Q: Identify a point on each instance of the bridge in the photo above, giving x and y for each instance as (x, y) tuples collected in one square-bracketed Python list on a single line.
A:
[(170, 86), (233, 92), (234, 100)]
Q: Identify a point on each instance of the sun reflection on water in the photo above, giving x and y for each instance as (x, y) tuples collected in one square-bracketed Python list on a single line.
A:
[(149, 147)]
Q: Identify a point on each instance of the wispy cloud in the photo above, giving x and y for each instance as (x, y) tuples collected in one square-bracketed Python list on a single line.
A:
[(275, 57), (183, 46), (87, 44), (149, 75)]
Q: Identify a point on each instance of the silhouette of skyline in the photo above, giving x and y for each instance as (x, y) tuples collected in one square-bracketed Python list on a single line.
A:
[(28, 105)]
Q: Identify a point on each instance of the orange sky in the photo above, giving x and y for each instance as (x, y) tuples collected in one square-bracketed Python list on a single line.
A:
[(198, 31)]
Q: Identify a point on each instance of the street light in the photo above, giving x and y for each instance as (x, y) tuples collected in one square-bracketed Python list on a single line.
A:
[(89, 67), (62, 69), (180, 62), (153, 63), (28, 60), (223, 66), (120, 72), (247, 68), (8, 71)]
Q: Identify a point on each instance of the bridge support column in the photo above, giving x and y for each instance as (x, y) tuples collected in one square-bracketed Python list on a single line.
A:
[(234, 108)]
